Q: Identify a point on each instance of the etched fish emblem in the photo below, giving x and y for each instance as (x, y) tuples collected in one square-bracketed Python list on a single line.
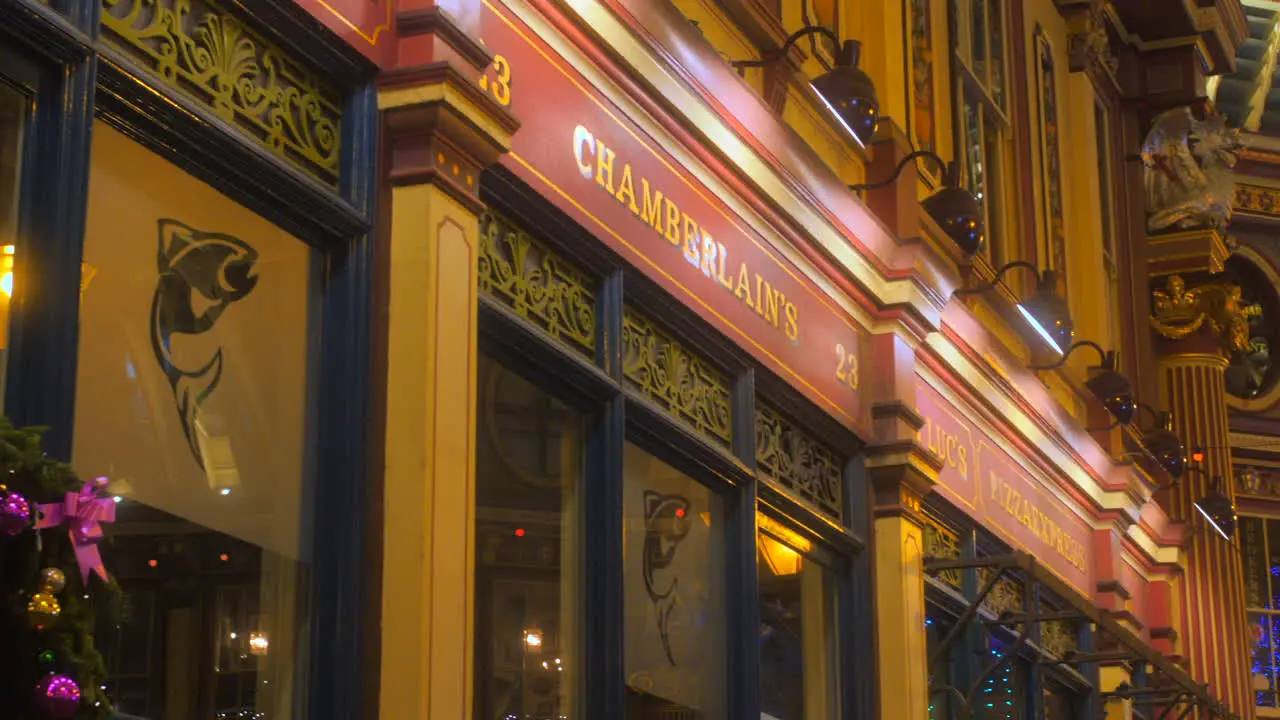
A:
[(666, 525), (201, 274)]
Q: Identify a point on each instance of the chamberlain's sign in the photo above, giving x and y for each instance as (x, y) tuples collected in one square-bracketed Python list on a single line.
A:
[(981, 477), (584, 154)]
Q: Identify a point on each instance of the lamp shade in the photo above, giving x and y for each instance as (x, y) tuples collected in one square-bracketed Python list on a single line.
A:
[(1166, 447), (1048, 313), (850, 93), (1219, 511), (1113, 390), (958, 213)]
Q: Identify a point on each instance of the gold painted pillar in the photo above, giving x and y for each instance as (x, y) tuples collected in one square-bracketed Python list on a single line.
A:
[(1197, 328), (440, 131), (901, 471)]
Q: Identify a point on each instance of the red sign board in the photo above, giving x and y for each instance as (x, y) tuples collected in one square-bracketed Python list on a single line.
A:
[(979, 476), (582, 152), (368, 25)]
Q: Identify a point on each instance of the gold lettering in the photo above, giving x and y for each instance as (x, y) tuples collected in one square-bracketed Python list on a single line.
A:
[(690, 239), (673, 223), (723, 257), (761, 288), (627, 190), (604, 166), (964, 461), (652, 207), (793, 322), (771, 307), (743, 292), (708, 256)]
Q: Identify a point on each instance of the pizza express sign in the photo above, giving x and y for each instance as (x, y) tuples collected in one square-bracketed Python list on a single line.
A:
[(981, 477)]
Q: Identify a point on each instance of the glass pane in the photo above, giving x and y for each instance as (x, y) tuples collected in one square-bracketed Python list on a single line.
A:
[(1059, 704), (1002, 694), (995, 20), (192, 397), (1257, 566), (14, 107), (825, 14), (936, 626), (975, 156), (673, 560), (992, 143), (798, 655), (1263, 664), (1273, 560), (528, 472), (978, 28)]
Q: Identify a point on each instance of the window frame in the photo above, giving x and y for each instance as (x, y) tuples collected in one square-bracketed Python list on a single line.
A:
[(83, 79), (973, 87), (623, 415), (1252, 612)]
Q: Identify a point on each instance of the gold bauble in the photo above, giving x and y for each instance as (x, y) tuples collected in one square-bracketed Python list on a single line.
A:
[(52, 579), (43, 610)]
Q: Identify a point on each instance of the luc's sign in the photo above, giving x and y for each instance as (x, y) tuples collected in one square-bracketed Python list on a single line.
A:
[(979, 476), (621, 183)]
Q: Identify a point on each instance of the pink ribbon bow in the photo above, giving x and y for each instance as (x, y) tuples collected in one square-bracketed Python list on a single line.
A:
[(83, 511)]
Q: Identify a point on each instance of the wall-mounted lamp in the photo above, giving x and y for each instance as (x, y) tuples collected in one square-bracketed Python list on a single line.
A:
[(1218, 509), (1163, 443), (955, 209), (1106, 383), (849, 93), (1045, 311)]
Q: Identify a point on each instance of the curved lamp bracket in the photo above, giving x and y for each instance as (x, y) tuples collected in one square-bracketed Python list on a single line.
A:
[(948, 169), (774, 57), (1018, 264), (1102, 355)]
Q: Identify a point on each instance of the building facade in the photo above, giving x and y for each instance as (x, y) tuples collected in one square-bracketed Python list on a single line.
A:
[(597, 359)]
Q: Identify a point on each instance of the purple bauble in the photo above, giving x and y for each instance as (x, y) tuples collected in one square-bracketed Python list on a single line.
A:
[(57, 696), (15, 514)]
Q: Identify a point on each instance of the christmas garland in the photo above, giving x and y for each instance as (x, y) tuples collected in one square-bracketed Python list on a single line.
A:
[(49, 527)]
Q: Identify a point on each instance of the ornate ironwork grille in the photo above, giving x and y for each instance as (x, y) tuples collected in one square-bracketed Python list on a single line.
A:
[(208, 55), (792, 459), (683, 384), (537, 284)]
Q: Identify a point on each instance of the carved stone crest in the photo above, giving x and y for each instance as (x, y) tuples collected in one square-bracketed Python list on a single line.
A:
[(1089, 47), (1178, 313), (1188, 178)]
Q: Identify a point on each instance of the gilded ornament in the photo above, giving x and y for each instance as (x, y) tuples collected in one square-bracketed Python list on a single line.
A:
[(683, 384), (1005, 597), (43, 610), (204, 52), (1089, 46), (1178, 312), (536, 283), (792, 459), (941, 542), (1058, 637), (1257, 200), (1187, 176)]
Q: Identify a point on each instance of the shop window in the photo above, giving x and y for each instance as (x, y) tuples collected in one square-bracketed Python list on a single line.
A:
[(1003, 694), (674, 579), (1260, 552), (1053, 247), (982, 119), (14, 109), (192, 377), (528, 470), (798, 647), (923, 113), (1060, 703), (937, 625), (789, 457)]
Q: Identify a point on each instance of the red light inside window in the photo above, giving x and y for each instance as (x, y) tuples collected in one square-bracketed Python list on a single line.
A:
[(224, 557), (679, 512), (519, 532), (152, 563)]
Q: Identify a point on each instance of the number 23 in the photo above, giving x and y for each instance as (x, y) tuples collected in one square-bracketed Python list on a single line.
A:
[(846, 367)]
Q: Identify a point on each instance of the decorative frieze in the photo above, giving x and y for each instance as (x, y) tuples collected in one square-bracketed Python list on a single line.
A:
[(536, 283), (791, 458), (665, 371), (212, 57), (1257, 200), (1178, 312)]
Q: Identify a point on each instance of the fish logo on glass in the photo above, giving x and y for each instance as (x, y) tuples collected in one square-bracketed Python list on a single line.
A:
[(201, 274), (666, 525)]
